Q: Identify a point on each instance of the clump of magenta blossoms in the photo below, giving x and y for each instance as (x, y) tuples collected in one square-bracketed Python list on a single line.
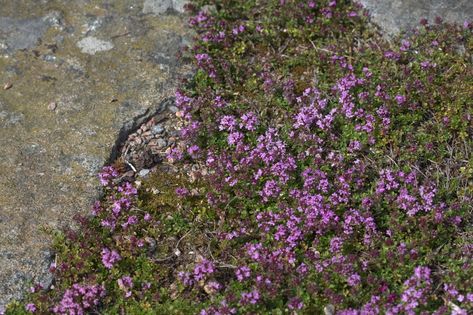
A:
[(80, 299), (107, 174), (109, 257)]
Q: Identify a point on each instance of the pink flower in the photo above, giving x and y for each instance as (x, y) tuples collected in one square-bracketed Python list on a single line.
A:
[(242, 273), (109, 258), (30, 307)]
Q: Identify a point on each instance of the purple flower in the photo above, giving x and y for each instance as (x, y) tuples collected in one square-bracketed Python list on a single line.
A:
[(235, 138), (119, 205), (193, 150), (354, 146), (37, 287), (405, 45), (219, 102), (30, 307), (242, 273), (427, 64), (238, 29), (182, 191), (400, 99), (182, 100), (302, 269), (250, 297), (202, 58), (204, 61), (185, 278), (202, 269), (174, 155), (79, 298), (270, 189), (213, 286), (392, 55), (336, 244), (352, 14), (249, 121), (133, 219), (107, 174), (127, 189), (295, 303), (354, 280), (227, 123), (416, 289), (109, 223), (109, 257), (387, 181), (125, 283), (116, 207), (254, 251)]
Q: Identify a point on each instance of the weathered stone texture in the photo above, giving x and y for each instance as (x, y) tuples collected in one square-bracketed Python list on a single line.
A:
[(394, 16)]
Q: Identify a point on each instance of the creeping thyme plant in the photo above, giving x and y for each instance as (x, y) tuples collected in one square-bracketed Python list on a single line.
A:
[(336, 174)]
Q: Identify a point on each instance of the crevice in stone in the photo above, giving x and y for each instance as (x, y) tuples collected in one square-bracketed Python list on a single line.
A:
[(133, 125)]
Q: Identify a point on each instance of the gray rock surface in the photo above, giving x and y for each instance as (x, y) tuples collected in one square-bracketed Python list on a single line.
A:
[(70, 96), (157, 6), (21, 33), (179, 5), (163, 6), (394, 16)]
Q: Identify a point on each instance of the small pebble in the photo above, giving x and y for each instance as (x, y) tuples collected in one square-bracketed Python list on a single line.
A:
[(143, 172), (7, 86), (161, 143), (329, 309), (157, 129), (52, 106)]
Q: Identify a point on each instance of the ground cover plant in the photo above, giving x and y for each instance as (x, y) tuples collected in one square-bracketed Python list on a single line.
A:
[(333, 174)]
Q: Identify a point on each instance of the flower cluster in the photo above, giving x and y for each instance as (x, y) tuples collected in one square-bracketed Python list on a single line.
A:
[(79, 299), (109, 257), (107, 174)]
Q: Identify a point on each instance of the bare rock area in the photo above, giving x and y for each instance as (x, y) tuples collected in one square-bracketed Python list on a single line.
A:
[(394, 16), (73, 76)]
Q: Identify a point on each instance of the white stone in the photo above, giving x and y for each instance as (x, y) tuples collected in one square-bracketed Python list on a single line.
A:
[(144, 172), (179, 5), (91, 45), (156, 6)]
